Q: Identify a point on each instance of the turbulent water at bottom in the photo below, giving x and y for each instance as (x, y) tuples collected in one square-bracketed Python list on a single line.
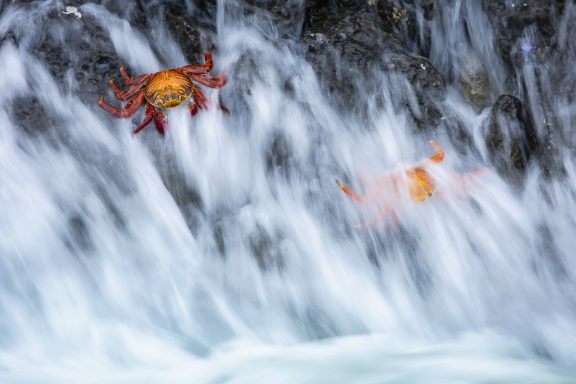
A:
[(224, 252)]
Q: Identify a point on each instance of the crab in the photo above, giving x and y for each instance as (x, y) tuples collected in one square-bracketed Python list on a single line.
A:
[(165, 89), (388, 190)]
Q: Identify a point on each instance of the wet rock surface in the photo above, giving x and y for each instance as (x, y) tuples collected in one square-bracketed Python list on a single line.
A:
[(72, 47), (511, 139), (346, 42), (531, 40), (475, 84), (193, 29), (536, 20)]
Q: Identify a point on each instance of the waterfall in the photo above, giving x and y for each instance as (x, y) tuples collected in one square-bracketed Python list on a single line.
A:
[(224, 251)]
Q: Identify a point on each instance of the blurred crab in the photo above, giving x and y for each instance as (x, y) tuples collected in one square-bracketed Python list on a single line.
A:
[(388, 190), (164, 89)]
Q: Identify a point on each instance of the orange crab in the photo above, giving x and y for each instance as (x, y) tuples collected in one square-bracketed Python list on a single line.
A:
[(164, 89), (387, 190)]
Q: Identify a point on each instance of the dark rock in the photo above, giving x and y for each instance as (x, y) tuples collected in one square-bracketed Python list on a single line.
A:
[(195, 30), (77, 52), (529, 37), (29, 114), (219, 240), (348, 40), (475, 83), (279, 157), (266, 248), (540, 91), (190, 39), (288, 13), (510, 21), (79, 234), (511, 139)]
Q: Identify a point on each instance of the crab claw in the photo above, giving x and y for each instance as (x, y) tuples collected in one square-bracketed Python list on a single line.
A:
[(210, 81), (439, 155)]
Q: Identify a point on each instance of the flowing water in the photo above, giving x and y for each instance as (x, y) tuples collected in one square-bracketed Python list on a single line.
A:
[(225, 253)]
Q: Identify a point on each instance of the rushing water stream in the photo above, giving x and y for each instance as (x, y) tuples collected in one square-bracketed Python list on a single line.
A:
[(224, 252)]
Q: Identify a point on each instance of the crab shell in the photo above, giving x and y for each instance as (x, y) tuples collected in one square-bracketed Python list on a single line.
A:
[(168, 88), (421, 186)]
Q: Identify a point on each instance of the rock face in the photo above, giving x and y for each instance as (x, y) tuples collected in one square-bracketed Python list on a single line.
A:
[(77, 53), (511, 139), (193, 31), (347, 40), (475, 84), (529, 36), (538, 18)]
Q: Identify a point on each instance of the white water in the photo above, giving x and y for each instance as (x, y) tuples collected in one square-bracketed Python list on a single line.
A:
[(112, 271)]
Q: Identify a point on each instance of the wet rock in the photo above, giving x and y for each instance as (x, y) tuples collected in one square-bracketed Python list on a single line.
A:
[(28, 113), (77, 52), (400, 17), (265, 248), (282, 10), (279, 157), (529, 39), (511, 21), (281, 18), (348, 40), (79, 237), (219, 240), (549, 152), (190, 39), (264, 245), (194, 30), (511, 139), (475, 84), (427, 82)]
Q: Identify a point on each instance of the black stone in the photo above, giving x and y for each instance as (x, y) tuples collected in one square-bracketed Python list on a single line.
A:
[(511, 139)]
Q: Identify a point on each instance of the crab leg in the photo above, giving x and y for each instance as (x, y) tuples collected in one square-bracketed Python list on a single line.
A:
[(126, 94), (202, 103), (199, 68), (438, 156), (193, 108), (129, 110), (210, 81), (199, 98), (355, 196), (148, 115), (134, 80), (462, 183), (160, 121)]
